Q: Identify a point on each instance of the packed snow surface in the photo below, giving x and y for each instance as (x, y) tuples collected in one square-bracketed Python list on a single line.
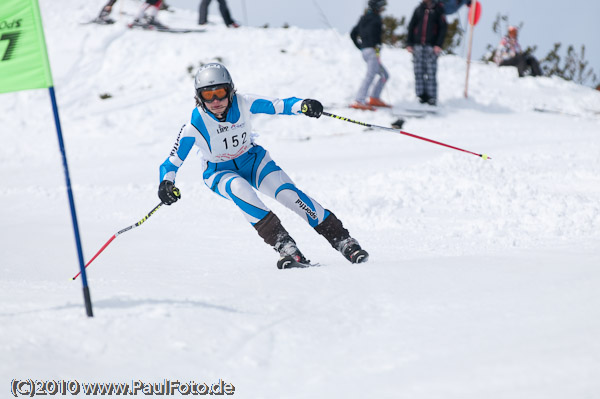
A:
[(483, 280)]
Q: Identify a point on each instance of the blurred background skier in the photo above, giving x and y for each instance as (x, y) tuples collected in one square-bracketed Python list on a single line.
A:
[(426, 33), (510, 53), (366, 36)]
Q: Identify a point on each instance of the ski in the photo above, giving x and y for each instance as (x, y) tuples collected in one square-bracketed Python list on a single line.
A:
[(421, 111), (288, 262), (99, 21), (180, 30), (406, 114), (413, 112), (165, 28), (553, 111)]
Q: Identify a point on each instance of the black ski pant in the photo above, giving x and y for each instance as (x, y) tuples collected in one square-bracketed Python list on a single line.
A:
[(523, 62), (222, 7)]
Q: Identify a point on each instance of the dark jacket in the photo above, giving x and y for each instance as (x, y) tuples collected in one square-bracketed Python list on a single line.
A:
[(367, 32), (427, 26)]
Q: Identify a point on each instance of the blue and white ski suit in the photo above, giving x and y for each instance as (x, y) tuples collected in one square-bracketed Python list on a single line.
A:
[(233, 164)]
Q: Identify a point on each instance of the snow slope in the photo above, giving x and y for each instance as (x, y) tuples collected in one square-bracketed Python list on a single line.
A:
[(483, 279)]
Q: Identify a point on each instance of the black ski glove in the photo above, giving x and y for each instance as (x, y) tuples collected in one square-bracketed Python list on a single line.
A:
[(168, 193), (312, 108)]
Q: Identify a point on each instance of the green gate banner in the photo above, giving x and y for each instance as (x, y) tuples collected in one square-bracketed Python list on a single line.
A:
[(23, 58), (24, 65)]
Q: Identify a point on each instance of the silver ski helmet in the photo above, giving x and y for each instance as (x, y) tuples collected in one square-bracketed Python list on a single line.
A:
[(213, 76)]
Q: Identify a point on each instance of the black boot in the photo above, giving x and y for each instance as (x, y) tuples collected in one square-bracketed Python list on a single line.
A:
[(353, 252), (535, 66), (153, 22), (289, 253), (332, 229), (274, 234)]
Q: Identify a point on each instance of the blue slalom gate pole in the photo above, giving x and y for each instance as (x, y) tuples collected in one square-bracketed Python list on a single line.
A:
[(86, 290)]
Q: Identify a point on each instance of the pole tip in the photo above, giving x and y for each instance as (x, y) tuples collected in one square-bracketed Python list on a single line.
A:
[(484, 156)]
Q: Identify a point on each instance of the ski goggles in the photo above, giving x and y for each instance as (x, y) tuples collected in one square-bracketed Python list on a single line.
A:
[(210, 95)]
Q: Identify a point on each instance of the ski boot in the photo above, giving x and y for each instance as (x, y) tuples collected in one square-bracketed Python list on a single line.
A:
[(104, 17), (290, 255), (273, 233), (136, 23), (352, 251), (376, 102), (333, 230), (362, 106), (154, 24)]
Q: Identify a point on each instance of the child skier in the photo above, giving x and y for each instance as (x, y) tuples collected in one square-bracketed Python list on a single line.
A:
[(234, 166), (509, 53)]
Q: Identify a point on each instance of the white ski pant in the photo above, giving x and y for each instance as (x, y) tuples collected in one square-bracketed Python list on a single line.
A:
[(240, 179)]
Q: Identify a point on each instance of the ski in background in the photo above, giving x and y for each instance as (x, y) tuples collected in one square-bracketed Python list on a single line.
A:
[(561, 112), (170, 30), (158, 27), (99, 21), (412, 110)]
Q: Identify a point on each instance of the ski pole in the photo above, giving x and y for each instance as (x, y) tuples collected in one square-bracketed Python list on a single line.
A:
[(402, 132), (120, 232)]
